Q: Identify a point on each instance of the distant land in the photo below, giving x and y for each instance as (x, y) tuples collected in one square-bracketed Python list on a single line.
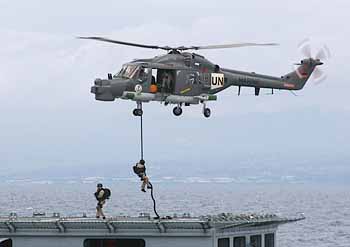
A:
[(252, 169)]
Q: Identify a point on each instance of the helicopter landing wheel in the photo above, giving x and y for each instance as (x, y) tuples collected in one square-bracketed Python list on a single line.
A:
[(137, 112), (206, 112), (177, 111)]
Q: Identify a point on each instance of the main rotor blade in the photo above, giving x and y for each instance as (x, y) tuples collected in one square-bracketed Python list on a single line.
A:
[(180, 48), (126, 43), (237, 45)]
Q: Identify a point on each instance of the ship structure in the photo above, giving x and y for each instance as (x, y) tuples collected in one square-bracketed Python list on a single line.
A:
[(223, 230)]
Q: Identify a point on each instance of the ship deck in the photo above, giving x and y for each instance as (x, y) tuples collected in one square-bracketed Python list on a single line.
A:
[(14, 224)]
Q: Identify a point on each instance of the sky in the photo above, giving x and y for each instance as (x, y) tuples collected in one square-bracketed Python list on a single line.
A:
[(50, 121)]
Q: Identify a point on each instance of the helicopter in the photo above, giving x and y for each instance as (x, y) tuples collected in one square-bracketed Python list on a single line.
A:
[(185, 78)]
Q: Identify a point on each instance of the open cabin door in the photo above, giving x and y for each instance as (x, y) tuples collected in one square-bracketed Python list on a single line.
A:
[(164, 79)]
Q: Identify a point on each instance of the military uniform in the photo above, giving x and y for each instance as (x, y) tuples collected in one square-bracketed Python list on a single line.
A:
[(100, 202), (140, 170)]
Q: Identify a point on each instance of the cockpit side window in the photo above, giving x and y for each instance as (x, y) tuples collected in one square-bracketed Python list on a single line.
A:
[(144, 74), (128, 71)]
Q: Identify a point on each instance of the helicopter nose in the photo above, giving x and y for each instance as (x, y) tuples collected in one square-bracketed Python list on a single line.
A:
[(100, 82), (108, 90), (118, 87), (102, 90)]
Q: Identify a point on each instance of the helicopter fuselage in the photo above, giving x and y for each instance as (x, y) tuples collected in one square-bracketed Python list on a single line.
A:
[(188, 78)]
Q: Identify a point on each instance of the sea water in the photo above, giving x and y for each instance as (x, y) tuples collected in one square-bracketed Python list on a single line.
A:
[(326, 207)]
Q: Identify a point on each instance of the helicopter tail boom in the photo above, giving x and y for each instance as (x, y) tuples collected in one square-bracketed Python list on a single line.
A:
[(294, 80), (297, 79)]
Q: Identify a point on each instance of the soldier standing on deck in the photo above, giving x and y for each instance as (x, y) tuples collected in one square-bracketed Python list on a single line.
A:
[(101, 200)]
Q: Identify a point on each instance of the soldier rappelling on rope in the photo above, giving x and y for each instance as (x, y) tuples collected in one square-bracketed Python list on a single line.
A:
[(140, 170)]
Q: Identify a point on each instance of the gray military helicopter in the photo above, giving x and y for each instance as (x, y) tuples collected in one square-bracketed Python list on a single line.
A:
[(184, 78)]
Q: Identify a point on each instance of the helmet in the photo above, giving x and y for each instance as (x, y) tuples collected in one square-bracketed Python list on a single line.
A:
[(99, 185), (142, 162)]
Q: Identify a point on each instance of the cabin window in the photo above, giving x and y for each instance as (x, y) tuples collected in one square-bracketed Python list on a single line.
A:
[(239, 242), (114, 243), (255, 241), (5, 242), (270, 240), (223, 242), (144, 75), (154, 76)]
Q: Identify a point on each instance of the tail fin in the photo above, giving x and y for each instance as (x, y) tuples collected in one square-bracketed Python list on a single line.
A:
[(297, 79)]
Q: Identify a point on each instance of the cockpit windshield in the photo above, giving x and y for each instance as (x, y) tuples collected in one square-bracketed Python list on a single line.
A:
[(128, 71)]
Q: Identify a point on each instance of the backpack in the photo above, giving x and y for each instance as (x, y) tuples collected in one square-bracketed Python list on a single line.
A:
[(138, 170), (107, 194)]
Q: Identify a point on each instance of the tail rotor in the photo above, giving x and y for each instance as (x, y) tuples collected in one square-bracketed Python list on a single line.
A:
[(322, 55)]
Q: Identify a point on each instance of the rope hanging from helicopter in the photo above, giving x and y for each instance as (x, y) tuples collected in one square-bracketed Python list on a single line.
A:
[(142, 154), (141, 139)]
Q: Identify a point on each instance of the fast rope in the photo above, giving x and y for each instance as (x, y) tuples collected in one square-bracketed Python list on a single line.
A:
[(154, 201), (141, 152), (141, 137)]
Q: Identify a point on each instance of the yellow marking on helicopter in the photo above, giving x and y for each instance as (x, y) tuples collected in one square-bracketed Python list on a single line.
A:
[(186, 90)]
